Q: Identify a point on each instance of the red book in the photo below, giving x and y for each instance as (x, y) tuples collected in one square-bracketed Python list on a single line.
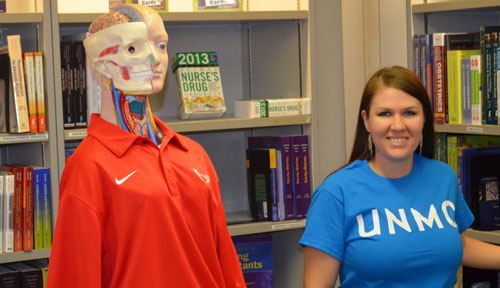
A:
[(28, 208), (18, 204), (439, 63)]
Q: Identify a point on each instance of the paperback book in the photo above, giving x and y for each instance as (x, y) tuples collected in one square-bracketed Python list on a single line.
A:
[(255, 253)]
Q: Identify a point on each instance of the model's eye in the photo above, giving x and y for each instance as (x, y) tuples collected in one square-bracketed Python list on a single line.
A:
[(131, 49)]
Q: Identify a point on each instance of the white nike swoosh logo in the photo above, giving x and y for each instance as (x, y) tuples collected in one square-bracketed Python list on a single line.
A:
[(120, 181)]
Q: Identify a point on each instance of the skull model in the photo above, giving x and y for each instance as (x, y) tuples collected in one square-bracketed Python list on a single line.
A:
[(122, 54)]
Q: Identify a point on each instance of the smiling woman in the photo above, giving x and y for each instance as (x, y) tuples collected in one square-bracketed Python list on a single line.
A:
[(392, 216)]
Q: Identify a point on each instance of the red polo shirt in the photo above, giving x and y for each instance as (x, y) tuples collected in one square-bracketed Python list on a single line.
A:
[(132, 214)]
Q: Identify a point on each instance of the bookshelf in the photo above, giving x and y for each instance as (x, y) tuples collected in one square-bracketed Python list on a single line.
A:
[(38, 149), (459, 16)]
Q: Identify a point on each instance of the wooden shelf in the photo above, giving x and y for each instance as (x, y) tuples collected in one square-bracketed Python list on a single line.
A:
[(207, 125), (468, 129), (265, 227), (24, 255), (199, 16), (465, 5), (7, 18), (24, 138), (487, 236)]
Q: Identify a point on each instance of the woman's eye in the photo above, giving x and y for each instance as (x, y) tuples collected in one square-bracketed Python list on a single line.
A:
[(384, 114), (162, 46), (410, 113)]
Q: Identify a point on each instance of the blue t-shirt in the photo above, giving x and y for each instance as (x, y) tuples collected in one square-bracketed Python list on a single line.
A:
[(402, 232)]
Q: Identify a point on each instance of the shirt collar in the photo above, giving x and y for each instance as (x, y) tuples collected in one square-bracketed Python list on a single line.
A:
[(119, 141)]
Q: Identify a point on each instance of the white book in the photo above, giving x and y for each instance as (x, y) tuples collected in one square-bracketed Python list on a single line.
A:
[(250, 108), (288, 107), (7, 213), (29, 79)]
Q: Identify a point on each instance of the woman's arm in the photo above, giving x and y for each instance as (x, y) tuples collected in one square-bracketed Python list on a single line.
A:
[(478, 254), (320, 269)]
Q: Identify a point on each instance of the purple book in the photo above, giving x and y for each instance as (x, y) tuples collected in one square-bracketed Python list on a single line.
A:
[(281, 143), (255, 253), (300, 152)]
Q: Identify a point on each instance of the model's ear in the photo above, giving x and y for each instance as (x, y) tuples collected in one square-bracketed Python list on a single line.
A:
[(100, 66), (364, 115)]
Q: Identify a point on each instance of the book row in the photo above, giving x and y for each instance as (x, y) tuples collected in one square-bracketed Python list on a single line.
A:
[(459, 71), (27, 274), (25, 210), (278, 177), (22, 102), (475, 159)]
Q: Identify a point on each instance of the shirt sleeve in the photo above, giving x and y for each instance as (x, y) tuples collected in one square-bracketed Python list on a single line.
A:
[(325, 222), (75, 259), (463, 215)]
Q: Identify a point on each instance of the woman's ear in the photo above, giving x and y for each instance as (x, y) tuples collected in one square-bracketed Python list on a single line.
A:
[(364, 115)]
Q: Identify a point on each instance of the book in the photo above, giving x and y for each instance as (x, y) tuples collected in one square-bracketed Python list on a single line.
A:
[(255, 253), (18, 106), (39, 90), (27, 208), (427, 71), (250, 108), (476, 89), (80, 85), (17, 205), (8, 212), (4, 91), (479, 278), (29, 276), (29, 78), (466, 91), (451, 152), (454, 68), (199, 85), (262, 181), (67, 84), (488, 38), (41, 264), (416, 56), (282, 144), (440, 147), (484, 188), (3, 6), (2, 193), (9, 278), (439, 83), (300, 154), (37, 207), (46, 209)]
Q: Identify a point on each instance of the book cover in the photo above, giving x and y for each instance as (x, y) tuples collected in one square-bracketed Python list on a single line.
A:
[(29, 78), (255, 253), (66, 84), (18, 205), (484, 188), (8, 212), (39, 90), (261, 165), (466, 92), (29, 276), (41, 264), (4, 91), (281, 143), (198, 85), (37, 207), (476, 75), (80, 85), (18, 106), (454, 68), (439, 85)]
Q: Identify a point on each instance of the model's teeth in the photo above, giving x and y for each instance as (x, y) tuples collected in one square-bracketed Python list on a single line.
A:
[(398, 140), (144, 74)]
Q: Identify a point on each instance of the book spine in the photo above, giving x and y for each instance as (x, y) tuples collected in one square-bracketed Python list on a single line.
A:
[(29, 77), (476, 89), (69, 122), (452, 152), (297, 177), (429, 68), (2, 193), (47, 222), (494, 117), (466, 91), (306, 183), (280, 185), (453, 83), (438, 57), (288, 107), (39, 90), (37, 208), (80, 85), (8, 213), (28, 209), (273, 185), (18, 210), (19, 110), (488, 85), (416, 56), (423, 60)]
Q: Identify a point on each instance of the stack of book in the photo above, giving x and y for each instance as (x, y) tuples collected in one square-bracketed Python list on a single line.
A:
[(278, 177), (459, 71), (25, 208), (21, 89), (24, 274)]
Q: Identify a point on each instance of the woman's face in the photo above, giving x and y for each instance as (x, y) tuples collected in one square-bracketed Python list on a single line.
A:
[(395, 123)]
